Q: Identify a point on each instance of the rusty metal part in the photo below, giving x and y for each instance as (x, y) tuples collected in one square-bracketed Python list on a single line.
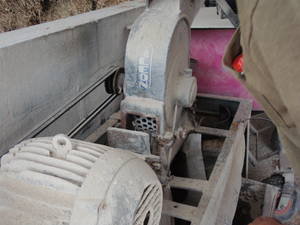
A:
[(223, 185), (213, 146)]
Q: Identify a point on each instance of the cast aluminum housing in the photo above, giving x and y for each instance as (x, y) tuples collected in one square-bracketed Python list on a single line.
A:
[(158, 82)]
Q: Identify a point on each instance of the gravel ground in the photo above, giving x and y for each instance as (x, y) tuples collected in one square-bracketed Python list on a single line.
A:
[(15, 14)]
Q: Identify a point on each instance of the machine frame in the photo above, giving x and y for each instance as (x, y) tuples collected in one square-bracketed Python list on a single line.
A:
[(223, 186)]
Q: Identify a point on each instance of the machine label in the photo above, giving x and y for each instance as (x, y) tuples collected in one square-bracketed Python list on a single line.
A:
[(144, 70)]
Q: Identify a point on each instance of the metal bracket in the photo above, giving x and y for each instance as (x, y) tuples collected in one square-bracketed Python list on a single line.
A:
[(229, 13)]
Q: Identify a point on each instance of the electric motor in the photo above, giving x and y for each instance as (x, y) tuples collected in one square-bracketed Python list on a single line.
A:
[(60, 181)]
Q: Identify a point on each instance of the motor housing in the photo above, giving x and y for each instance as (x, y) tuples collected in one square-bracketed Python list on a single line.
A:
[(57, 180)]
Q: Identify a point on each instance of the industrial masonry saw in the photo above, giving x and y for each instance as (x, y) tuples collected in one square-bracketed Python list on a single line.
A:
[(152, 166)]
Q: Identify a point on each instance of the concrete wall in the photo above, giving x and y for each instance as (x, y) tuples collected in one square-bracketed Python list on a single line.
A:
[(44, 67)]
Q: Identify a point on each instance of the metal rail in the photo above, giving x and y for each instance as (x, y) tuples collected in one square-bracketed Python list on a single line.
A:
[(223, 186)]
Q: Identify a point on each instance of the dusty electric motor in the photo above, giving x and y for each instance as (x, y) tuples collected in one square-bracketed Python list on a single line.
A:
[(47, 181)]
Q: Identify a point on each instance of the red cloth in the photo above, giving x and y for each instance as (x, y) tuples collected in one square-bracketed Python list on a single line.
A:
[(238, 63)]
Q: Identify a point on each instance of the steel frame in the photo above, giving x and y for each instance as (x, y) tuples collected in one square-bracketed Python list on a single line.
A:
[(221, 191)]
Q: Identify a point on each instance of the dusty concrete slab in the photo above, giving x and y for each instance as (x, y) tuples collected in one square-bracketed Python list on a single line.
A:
[(45, 67)]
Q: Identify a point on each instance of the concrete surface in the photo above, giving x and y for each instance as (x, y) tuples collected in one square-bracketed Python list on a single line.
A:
[(44, 67)]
